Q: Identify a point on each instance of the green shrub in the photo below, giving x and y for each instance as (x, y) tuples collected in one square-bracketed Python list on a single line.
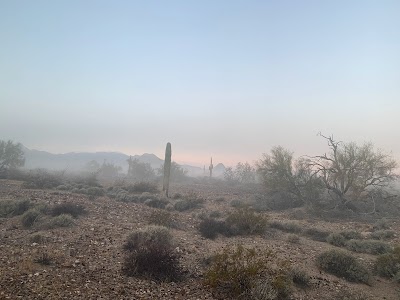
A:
[(317, 234), (150, 254), (69, 208), (244, 221), (291, 227), (11, 208), (344, 265), (161, 218), (383, 235), (388, 265), (29, 218), (336, 239), (247, 273), (368, 246), (63, 220)]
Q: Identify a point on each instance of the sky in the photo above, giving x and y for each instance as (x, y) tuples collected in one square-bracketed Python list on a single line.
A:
[(228, 79)]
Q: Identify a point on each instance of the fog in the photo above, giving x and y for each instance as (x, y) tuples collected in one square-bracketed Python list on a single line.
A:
[(227, 80)]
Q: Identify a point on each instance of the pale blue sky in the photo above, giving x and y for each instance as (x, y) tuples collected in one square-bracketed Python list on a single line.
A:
[(229, 79)]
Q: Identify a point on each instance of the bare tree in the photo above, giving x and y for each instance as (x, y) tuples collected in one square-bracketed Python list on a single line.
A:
[(351, 172)]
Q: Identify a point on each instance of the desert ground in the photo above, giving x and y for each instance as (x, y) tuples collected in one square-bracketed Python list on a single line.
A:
[(84, 260)]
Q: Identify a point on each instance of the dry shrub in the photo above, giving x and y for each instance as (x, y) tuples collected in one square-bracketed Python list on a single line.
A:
[(388, 265), (150, 254), (247, 274), (69, 208), (344, 265), (368, 246)]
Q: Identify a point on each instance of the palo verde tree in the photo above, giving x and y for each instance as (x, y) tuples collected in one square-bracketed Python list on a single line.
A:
[(351, 172), (281, 173), (11, 156)]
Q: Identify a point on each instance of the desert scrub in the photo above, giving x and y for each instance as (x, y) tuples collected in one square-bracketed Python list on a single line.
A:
[(247, 273), (317, 234), (351, 235), (141, 187), (189, 201), (210, 228), (342, 264), (156, 202), (336, 239), (293, 238), (382, 224), (150, 254), (244, 221), (11, 208), (161, 218), (383, 234), (69, 208), (291, 227), (300, 277), (30, 217), (63, 220), (388, 265), (368, 246)]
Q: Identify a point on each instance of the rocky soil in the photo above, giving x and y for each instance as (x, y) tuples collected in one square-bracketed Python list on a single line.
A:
[(84, 261)]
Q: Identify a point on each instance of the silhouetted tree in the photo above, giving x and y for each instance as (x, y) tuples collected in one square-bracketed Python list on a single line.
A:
[(11, 156)]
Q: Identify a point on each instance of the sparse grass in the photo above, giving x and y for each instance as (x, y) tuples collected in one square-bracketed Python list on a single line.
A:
[(368, 246), (69, 208), (150, 254), (344, 265), (44, 259), (291, 227)]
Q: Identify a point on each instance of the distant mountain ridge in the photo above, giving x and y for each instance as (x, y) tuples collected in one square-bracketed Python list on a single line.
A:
[(76, 161)]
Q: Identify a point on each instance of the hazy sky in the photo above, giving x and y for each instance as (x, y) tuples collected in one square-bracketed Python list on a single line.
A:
[(228, 79)]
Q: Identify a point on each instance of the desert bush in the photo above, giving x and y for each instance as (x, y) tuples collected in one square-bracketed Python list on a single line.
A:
[(317, 234), (177, 196), (146, 195), (161, 218), (383, 234), (43, 259), (29, 218), (75, 210), (37, 238), (95, 191), (122, 195), (294, 239), (11, 208), (190, 201), (210, 228), (142, 186), (42, 179), (291, 227), (351, 235), (300, 277), (244, 221), (246, 273), (344, 265), (63, 187), (215, 214), (237, 203), (368, 246), (336, 239), (150, 254), (63, 220), (388, 265), (382, 224), (156, 202)]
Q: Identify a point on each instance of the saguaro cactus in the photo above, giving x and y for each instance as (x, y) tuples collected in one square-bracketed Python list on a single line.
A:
[(167, 168), (211, 167)]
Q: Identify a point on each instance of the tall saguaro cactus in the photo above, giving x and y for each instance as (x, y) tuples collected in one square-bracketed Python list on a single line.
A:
[(167, 168), (211, 167)]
